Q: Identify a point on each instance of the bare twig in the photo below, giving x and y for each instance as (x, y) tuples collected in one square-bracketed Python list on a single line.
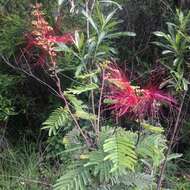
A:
[(58, 84), (89, 5), (171, 142), (33, 76), (28, 180), (87, 21), (58, 93), (100, 103)]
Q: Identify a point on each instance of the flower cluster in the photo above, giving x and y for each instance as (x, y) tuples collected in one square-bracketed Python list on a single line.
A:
[(43, 36), (132, 100)]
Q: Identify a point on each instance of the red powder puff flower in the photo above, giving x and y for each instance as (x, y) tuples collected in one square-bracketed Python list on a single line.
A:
[(134, 101), (122, 94), (150, 100)]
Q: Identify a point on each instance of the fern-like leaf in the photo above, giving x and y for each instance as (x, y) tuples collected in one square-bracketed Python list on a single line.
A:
[(80, 108), (121, 150), (57, 119), (89, 75), (152, 147), (76, 177), (152, 128), (81, 89), (100, 167), (141, 181), (73, 144), (129, 181)]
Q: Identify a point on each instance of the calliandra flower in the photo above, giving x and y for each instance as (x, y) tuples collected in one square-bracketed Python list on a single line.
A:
[(116, 77), (150, 100), (132, 100), (43, 36)]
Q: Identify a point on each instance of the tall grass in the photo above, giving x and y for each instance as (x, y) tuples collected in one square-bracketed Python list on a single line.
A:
[(21, 168)]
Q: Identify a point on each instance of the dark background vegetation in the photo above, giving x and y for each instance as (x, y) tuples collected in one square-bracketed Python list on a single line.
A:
[(25, 104)]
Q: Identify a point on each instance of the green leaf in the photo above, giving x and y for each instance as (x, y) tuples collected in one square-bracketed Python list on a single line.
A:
[(62, 47), (60, 2), (109, 17), (81, 89), (101, 37), (79, 40), (152, 128), (76, 177), (121, 150), (159, 34), (89, 75), (167, 52), (57, 119), (162, 45), (140, 181), (78, 104), (173, 156), (185, 84), (152, 147), (90, 20), (119, 34), (85, 115), (111, 2), (80, 108), (100, 167)]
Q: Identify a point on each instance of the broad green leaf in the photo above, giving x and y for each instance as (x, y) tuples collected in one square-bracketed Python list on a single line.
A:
[(111, 2), (162, 45), (62, 47), (60, 2), (101, 36), (167, 52), (159, 34), (109, 17), (173, 156), (119, 34), (90, 20)]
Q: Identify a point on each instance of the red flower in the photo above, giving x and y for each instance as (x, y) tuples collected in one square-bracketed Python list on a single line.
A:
[(43, 37), (67, 38), (134, 101)]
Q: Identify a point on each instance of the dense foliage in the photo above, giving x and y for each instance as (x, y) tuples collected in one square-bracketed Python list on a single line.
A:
[(94, 95)]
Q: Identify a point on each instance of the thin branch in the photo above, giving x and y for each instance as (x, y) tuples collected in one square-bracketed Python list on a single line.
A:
[(31, 75), (87, 21), (28, 180), (58, 93), (171, 142), (93, 105), (100, 103), (58, 83), (89, 5)]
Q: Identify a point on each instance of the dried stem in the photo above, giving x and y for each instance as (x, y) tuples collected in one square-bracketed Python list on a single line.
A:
[(100, 103), (87, 21), (171, 142), (30, 74), (58, 84), (89, 5), (61, 93), (58, 93), (27, 180), (93, 105)]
